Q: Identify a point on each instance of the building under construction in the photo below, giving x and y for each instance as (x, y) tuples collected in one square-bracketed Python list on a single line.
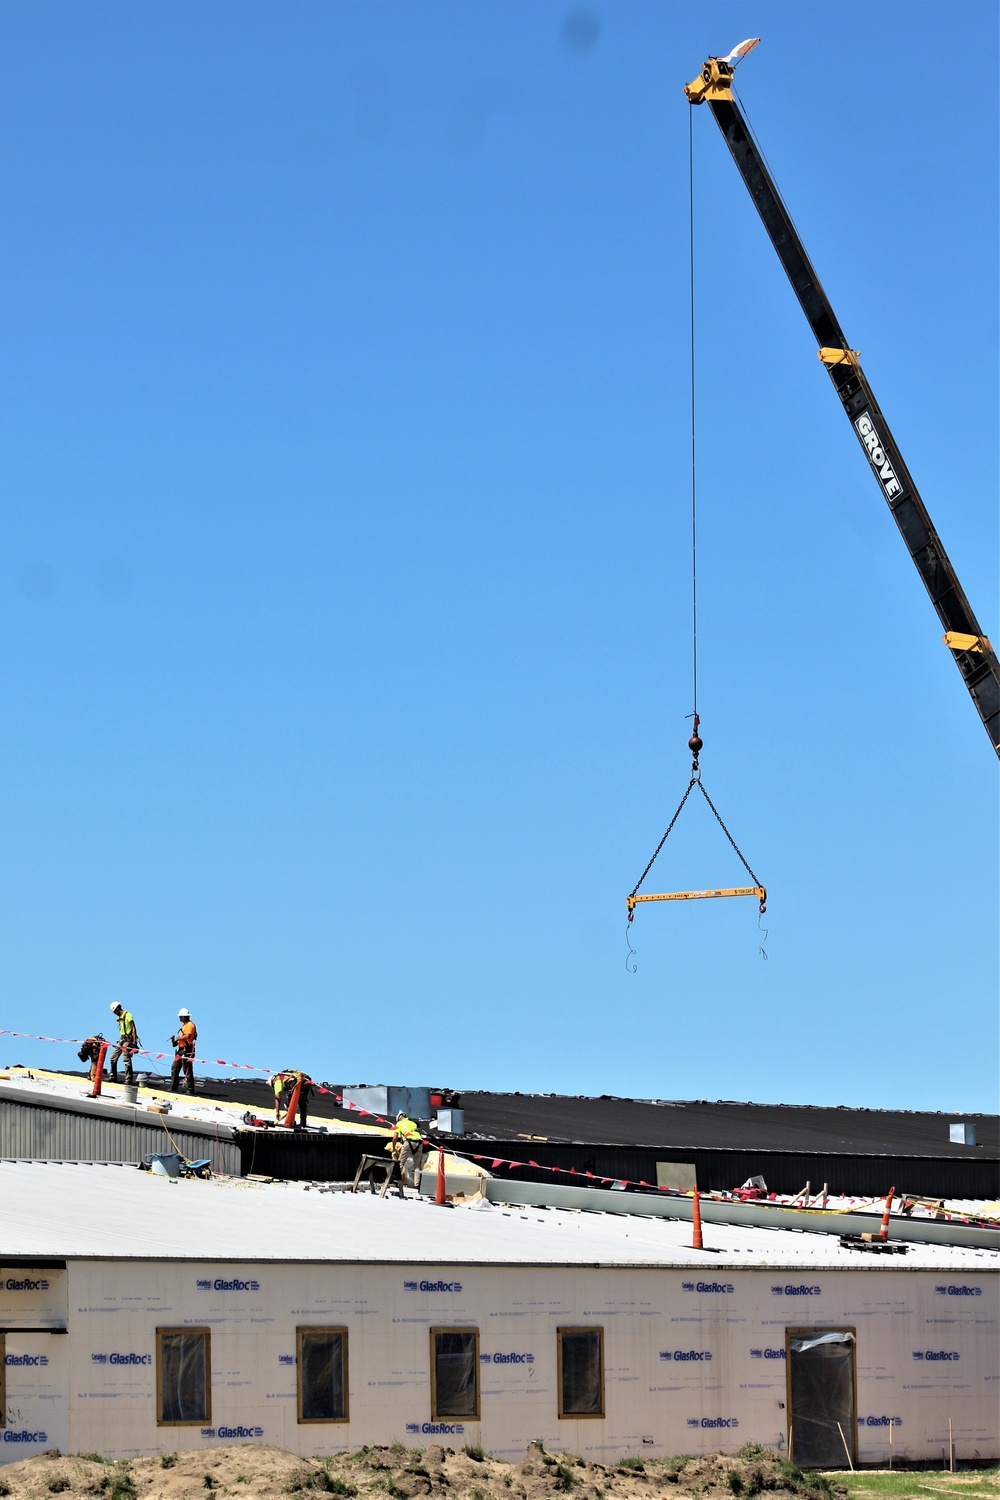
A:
[(200, 1312)]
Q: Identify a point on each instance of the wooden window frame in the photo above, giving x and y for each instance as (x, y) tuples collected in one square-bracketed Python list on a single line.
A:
[(205, 1421), (437, 1416), (321, 1328), (813, 1332), (580, 1416)]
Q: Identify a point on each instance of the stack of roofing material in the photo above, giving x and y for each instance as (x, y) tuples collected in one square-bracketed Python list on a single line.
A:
[(602, 1334)]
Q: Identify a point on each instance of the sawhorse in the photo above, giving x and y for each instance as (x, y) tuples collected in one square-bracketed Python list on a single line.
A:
[(368, 1169)]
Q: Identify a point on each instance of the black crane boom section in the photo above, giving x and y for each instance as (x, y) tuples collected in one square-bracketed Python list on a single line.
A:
[(974, 656)]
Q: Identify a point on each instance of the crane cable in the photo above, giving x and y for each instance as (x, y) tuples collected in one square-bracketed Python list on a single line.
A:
[(695, 743), (694, 468)]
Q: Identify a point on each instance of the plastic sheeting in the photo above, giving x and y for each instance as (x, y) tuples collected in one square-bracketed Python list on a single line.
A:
[(183, 1377), (801, 1346), (455, 1371), (581, 1393), (321, 1361), (822, 1406)]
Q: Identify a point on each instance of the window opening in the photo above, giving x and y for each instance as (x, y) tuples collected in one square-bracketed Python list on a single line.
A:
[(822, 1410), (454, 1372), (581, 1372), (183, 1377), (322, 1374)]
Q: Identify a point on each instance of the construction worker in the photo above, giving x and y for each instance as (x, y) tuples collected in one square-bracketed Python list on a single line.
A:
[(91, 1051), (128, 1042), (183, 1045), (407, 1146), (283, 1085)]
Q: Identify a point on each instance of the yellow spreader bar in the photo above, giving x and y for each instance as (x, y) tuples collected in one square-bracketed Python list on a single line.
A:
[(741, 890)]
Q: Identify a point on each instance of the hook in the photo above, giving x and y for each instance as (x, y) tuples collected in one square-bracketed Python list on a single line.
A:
[(764, 930), (632, 967)]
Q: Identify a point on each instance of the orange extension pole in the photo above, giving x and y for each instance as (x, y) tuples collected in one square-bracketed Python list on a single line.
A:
[(293, 1106), (883, 1233), (99, 1071), (696, 1242)]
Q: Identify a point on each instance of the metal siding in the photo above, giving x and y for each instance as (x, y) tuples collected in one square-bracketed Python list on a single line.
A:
[(46, 1134)]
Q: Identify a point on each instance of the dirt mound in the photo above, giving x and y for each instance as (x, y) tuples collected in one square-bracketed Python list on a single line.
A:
[(399, 1473)]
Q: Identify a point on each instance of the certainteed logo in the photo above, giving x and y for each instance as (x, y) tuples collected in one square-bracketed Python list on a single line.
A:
[(877, 456)]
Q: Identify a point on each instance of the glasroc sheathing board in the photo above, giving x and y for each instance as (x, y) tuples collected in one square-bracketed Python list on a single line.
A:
[(32, 1331), (694, 1361)]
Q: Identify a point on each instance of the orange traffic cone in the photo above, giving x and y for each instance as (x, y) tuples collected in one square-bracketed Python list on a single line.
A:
[(439, 1192), (883, 1233), (696, 1243)]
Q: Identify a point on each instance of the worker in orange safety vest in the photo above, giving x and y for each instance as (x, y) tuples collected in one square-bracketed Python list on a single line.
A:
[(184, 1045)]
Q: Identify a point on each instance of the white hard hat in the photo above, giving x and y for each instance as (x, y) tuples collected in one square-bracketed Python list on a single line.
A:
[(116, 1005), (183, 1014), (401, 1115)]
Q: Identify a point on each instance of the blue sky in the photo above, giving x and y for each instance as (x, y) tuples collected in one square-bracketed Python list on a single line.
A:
[(344, 564)]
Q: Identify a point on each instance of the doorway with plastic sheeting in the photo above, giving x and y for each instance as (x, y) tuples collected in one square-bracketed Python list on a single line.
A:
[(822, 1409)]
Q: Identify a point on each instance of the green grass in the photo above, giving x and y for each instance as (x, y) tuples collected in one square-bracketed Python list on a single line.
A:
[(390, 1487), (122, 1486), (921, 1484), (334, 1485), (475, 1451)]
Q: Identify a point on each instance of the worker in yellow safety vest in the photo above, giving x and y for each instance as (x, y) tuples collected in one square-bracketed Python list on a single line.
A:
[(407, 1146), (283, 1084), (128, 1042)]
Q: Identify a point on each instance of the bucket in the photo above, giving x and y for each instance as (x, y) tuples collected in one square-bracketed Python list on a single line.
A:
[(165, 1163), (130, 1093)]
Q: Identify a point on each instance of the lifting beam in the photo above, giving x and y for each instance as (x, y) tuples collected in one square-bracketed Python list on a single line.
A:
[(741, 890)]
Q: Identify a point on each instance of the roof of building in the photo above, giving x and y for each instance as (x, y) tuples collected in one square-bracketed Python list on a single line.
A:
[(697, 1124), (61, 1211), (701, 1124)]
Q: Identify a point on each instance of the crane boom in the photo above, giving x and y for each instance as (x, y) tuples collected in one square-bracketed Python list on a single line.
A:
[(973, 654)]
